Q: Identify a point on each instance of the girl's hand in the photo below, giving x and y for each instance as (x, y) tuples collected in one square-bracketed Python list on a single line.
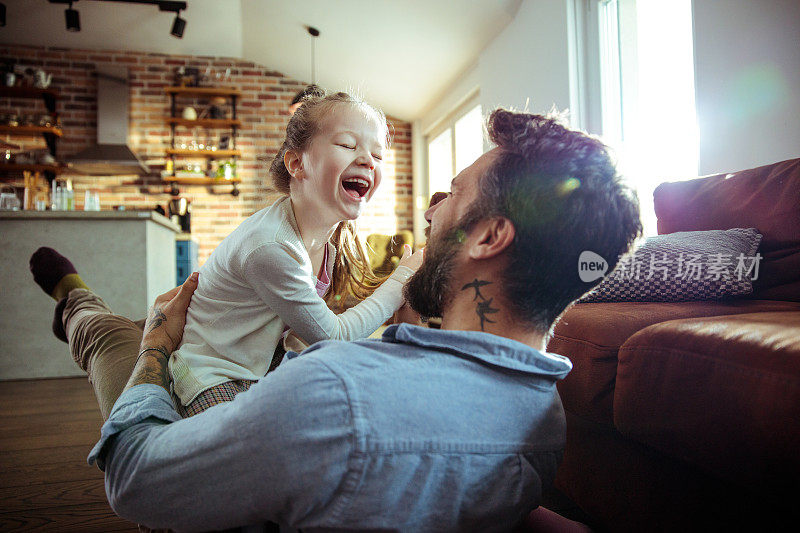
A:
[(412, 261)]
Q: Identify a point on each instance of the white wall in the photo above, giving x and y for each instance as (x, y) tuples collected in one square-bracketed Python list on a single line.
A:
[(453, 97), (527, 64), (747, 79), (213, 27)]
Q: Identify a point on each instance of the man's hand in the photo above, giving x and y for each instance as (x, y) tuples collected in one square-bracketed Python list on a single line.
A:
[(164, 326), (162, 334)]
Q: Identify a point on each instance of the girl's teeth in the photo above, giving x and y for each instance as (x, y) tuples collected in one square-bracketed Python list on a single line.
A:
[(358, 187)]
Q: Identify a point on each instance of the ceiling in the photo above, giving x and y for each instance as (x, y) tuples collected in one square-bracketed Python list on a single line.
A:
[(399, 54)]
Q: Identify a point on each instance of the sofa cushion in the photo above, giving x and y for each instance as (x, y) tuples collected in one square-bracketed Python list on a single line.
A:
[(684, 266), (590, 334), (722, 393), (766, 198)]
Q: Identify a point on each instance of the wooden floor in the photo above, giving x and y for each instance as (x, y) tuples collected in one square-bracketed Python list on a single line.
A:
[(47, 428)]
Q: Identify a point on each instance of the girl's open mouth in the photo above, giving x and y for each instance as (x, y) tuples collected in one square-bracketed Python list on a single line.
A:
[(356, 188)]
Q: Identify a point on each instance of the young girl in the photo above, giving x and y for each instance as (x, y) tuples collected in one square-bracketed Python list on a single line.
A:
[(279, 270)]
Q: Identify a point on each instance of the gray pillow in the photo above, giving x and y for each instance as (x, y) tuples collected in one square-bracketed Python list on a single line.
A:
[(684, 266)]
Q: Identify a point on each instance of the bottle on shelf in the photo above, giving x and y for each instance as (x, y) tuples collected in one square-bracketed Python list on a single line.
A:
[(70, 203), (63, 198), (55, 199)]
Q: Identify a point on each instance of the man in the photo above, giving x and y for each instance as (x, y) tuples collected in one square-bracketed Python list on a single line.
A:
[(458, 429)]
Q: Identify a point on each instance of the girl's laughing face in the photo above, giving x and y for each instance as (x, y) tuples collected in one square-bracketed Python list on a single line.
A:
[(341, 168)]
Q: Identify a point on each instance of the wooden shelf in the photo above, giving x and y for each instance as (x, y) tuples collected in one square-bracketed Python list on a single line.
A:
[(221, 123), (203, 91), (26, 92), (8, 146), (211, 154), (201, 181), (206, 122), (14, 167), (50, 133), (48, 95), (30, 130)]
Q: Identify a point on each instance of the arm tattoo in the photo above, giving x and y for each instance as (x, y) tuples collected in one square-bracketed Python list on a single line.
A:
[(158, 319), (484, 306), (151, 368)]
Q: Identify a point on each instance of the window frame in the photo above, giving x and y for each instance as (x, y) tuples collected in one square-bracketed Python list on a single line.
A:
[(448, 122)]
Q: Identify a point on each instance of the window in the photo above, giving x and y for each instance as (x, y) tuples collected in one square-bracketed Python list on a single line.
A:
[(454, 148), (469, 139), (610, 82), (647, 93), (440, 162)]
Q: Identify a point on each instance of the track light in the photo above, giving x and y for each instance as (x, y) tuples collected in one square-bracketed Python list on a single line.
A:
[(2, 14), (74, 21), (73, 18), (178, 25)]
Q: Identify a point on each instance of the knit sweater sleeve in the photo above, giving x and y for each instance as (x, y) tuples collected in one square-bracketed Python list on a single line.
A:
[(285, 285)]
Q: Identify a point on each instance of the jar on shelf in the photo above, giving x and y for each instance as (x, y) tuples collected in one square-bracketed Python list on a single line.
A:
[(226, 170)]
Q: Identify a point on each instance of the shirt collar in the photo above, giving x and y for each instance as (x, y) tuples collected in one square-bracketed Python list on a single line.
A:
[(485, 347)]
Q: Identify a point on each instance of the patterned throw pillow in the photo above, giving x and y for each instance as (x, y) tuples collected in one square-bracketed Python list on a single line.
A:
[(684, 266)]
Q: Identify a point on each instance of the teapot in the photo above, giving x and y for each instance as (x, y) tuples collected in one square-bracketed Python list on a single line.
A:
[(41, 79)]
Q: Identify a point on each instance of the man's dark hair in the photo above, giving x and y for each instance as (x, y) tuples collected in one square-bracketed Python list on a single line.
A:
[(312, 91), (561, 190)]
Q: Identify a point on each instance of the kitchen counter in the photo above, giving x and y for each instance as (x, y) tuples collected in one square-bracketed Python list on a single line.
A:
[(89, 215), (127, 257)]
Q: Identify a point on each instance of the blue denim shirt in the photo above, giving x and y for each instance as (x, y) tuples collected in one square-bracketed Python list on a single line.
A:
[(424, 430)]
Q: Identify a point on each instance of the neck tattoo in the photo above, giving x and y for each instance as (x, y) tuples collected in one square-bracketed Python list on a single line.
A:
[(484, 306)]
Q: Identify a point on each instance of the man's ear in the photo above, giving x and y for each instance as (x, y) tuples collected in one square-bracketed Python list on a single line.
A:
[(491, 237), (294, 164)]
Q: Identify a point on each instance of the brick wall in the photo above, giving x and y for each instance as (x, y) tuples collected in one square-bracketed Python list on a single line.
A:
[(262, 108)]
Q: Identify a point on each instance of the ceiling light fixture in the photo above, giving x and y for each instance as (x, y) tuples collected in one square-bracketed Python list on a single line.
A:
[(178, 25), (314, 33), (73, 18), (74, 21)]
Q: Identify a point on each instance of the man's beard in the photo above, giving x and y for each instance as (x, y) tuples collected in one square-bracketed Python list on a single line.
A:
[(428, 290)]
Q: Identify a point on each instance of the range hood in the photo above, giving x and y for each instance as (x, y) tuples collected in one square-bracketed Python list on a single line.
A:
[(111, 155)]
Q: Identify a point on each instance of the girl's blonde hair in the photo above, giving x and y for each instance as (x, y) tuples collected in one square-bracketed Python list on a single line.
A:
[(352, 273)]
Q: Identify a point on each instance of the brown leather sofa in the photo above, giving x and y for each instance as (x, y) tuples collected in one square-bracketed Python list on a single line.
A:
[(686, 416)]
